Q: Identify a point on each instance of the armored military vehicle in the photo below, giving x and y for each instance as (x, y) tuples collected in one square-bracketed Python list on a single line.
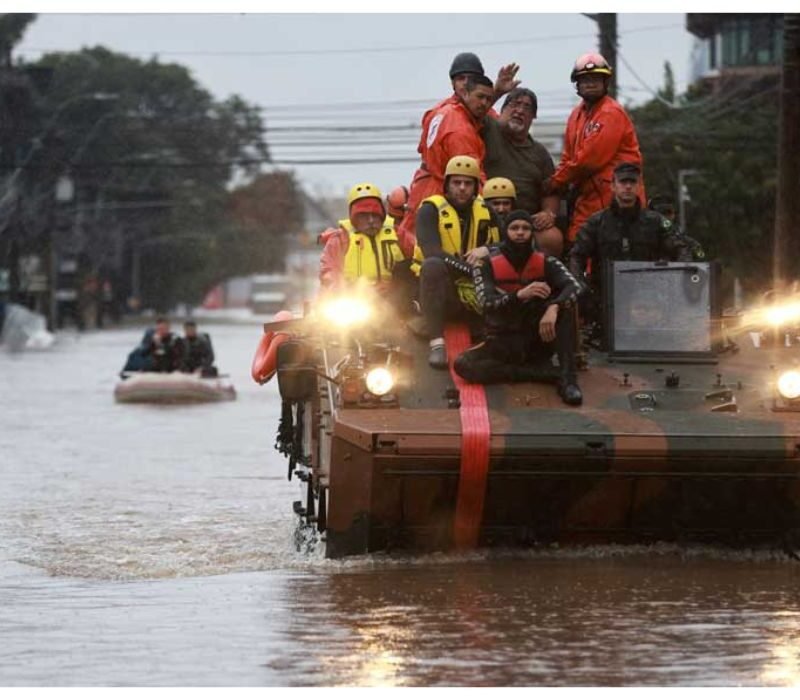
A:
[(689, 430)]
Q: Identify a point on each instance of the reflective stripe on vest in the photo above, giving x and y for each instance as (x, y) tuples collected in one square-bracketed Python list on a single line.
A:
[(508, 279), (481, 232), (370, 257)]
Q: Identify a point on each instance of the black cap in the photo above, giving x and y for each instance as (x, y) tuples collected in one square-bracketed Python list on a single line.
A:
[(627, 171), (516, 215), (466, 63)]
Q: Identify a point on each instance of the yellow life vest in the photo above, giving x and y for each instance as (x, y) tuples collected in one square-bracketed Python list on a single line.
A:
[(370, 257), (481, 231)]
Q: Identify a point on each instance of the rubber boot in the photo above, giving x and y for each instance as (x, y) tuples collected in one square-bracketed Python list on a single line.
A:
[(568, 388), (570, 392)]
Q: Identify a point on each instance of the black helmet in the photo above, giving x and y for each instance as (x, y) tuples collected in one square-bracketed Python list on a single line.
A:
[(466, 63)]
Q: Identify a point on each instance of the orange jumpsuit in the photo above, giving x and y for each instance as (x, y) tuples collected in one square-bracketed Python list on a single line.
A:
[(451, 131), (331, 263), (430, 114), (597, 139)]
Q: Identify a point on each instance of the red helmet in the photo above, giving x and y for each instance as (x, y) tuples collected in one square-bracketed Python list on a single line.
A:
[(590, 63), (397, 201)]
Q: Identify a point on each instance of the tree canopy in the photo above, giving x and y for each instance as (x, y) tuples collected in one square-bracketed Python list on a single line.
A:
[(726, 135), (152, 155)]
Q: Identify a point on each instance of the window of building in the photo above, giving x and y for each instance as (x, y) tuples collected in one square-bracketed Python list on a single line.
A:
[(754, 40)]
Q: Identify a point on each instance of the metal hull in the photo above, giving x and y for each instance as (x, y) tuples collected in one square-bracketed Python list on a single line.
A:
[(379, 502), (683, 469)]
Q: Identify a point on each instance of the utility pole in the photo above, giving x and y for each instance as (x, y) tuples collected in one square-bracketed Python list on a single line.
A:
[(787, 199), (607, 42)]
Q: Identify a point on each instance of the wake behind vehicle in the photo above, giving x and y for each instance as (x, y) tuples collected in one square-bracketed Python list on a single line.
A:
[(689, 430)]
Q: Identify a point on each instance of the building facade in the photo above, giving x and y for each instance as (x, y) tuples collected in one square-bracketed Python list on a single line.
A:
[(728, 44)]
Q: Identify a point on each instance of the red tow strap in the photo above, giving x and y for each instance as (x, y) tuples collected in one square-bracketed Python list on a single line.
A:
[(475, 433)]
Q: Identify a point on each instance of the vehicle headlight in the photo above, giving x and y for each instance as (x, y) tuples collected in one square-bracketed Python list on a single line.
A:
[(789, 385), (781, 315), (346, 312), (380, 381)]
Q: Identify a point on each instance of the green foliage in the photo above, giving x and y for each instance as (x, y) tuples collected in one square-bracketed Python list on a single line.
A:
[(729, 136), (668, 91), (264, 212), (152, 154), (12, 28)]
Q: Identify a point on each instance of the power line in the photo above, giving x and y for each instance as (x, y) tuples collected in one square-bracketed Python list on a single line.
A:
[(417, 102), (243, 162), (377, 49), (552, 107), (346, 129)]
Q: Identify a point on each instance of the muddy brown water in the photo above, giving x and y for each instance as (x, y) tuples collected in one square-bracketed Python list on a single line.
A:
[(146, 545)]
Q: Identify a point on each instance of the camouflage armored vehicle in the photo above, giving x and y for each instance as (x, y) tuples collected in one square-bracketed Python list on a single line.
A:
[(689, 430)]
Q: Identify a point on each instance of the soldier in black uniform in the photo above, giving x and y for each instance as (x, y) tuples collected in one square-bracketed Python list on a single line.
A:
[(666, 207), (528, 300), (623, 231)]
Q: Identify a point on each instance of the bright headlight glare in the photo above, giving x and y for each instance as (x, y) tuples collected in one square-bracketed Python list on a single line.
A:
[(789, 385), (379, 381), (781, 315), (346, 312)]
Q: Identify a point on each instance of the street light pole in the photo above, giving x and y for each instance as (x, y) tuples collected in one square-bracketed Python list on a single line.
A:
[(64, 192)]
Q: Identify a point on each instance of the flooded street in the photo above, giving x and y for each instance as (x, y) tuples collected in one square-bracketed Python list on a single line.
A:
[(145, 545)]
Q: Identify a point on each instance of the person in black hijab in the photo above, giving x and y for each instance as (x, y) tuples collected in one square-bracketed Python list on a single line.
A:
[(528, 302)]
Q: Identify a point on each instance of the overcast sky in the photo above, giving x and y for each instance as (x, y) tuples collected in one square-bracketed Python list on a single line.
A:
[(368, 72)]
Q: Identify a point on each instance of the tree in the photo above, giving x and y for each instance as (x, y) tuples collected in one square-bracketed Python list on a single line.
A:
[(728, 136), (151, 161), (16, 110), (668, 91), (12, 28), (266, 211)]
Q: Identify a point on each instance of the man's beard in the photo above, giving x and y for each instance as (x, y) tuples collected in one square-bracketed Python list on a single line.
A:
[(517, 129)]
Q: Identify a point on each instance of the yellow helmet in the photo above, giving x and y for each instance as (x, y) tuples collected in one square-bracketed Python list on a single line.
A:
[(363, 190), (499, 187), (463, 165)]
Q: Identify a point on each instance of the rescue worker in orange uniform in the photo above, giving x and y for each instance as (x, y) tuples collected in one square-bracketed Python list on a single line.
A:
[(455, 130), (599, 136), (397, 203), (364, 247), (464, 65)]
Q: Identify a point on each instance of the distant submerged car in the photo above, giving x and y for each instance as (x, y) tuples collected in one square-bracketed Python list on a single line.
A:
[(689, 430), (172, 388), (22, 329)]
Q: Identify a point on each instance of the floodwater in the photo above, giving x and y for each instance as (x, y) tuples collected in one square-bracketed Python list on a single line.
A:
[(154, 546)]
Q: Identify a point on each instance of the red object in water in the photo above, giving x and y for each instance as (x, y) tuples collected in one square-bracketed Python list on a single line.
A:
[(214, 299), (265, 361)]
